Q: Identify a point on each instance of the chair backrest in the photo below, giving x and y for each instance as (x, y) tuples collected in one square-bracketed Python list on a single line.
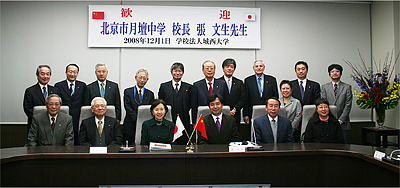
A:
[(205, 110), (144, 114), (258, 111), (86, 112), (308, 111), (41, 109)]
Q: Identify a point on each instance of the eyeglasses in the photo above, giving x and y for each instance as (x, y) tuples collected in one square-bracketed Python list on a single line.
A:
[(54, 104), (72, 72)]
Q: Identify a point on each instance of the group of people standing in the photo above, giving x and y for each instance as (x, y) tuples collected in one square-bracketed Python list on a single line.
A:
[(257, 89)]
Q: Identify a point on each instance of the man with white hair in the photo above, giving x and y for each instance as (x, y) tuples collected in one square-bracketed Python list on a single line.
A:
[(99, 130), (52, 127), (105, 89), (133, 98)]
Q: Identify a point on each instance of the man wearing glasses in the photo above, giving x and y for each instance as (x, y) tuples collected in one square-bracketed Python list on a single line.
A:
[(51, 128)]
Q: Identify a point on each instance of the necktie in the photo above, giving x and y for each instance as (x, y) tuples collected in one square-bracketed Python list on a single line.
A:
[(301, 89), (336, 89), (140, 95), (70, 89), (44, 92), (100, 127), (176, 88), (274, 130), (260, 86), (53, 123), (218, 124), (102, 89), (229, 85), (210, 90)]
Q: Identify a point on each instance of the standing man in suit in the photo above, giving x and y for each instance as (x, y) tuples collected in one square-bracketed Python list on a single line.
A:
[(177, 94), (36, 94), (104, 88), (72, 93), (273, 128), (259, 88), (99, 130), (133, 98), (305, 90), (220, 128), (235, 89), (205, 87), (339, 94), (51, 128)]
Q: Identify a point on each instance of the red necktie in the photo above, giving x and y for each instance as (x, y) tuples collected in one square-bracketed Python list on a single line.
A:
[(210, 90)]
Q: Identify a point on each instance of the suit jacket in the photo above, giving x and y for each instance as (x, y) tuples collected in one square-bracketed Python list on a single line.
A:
[(200, 94), (253, 94), (131, 107), (312, 92), (34, 97), (236, 98), (229, 132), (264, 134), (111, 132), (74, 102), (342, 101), (111, 95), (293, 110), (166, 92), (41, 134)]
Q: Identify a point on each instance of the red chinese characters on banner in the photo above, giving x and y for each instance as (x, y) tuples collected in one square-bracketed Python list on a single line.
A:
[(224, 14), (126, 12)]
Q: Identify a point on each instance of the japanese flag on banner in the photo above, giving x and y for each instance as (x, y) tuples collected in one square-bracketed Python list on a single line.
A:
[(178, 129), (201, 127), (250, 17)]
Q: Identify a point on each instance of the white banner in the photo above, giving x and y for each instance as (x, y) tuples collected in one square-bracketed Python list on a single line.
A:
[(173, 27)]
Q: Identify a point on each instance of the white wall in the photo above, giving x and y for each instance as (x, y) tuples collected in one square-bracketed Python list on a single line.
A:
[(385, 36), (55, 33)]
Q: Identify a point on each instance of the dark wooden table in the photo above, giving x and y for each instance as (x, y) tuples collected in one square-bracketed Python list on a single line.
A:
[(293, 164), (378, 133)]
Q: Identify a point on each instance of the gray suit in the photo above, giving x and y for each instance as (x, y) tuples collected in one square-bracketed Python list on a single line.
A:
[(343, 101), (40, 133), (293, 110)]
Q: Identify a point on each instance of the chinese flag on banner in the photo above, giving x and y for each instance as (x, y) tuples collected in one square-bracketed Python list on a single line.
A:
[(98, 15), (201, 127)]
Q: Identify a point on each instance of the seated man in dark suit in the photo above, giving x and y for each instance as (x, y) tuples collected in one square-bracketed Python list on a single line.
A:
[(51, 128), (273, 128), (72, 93), (220, 128), (99, 130), (36, 94)]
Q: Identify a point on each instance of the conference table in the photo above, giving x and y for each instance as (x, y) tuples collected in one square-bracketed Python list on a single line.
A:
[(289, 164)]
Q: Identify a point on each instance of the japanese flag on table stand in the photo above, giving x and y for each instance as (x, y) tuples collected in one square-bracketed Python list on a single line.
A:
[(178, 129)]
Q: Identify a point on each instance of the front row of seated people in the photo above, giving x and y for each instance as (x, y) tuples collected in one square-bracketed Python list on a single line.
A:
[(54, 128)]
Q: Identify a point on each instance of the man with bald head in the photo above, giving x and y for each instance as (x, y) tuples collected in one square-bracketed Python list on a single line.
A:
[(205, 87), (36, 94), (260, 87)]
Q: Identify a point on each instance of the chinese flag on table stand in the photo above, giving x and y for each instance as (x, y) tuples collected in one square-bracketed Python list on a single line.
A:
[(201, 127)]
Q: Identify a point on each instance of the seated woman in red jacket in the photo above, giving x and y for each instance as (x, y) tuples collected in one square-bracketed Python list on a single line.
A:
[(323, 127)]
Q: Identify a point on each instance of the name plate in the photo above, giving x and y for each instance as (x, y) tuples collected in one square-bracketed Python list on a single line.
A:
[(98, 150)]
